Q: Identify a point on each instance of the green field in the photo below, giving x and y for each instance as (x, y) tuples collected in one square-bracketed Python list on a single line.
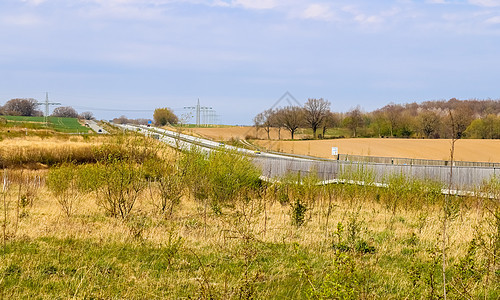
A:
[(66, 125)]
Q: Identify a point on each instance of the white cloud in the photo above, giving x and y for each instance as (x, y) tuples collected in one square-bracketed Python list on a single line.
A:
[(249, 4), (493, 20), (437, 1), (34, 2), (318, 12), (487, 3), (367, 19), (364, 19)]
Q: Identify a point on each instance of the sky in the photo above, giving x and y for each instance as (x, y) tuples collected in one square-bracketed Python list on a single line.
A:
[(239, 57)]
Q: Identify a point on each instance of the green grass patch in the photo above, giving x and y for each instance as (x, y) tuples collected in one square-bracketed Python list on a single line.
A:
[(66, 125)]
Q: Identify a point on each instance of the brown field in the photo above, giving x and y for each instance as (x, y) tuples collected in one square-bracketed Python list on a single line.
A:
[(247, 132), (465, 150)]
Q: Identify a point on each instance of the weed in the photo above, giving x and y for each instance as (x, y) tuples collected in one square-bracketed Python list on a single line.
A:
[(340, 283), (167, 180), (298, 212), (350, 238)]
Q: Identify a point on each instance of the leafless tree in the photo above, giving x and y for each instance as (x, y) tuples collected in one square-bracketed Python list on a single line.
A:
[(331, 120), (20, 107), (258, 122), (354, 120), (315, 111), (121, 120), (87, 115), (264, 119), (462, 118), (65, 112), (393, 114), (292, 117), (276, 121)]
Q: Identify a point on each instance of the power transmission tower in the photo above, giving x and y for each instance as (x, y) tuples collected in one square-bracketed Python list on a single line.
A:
[(47, 104), (201, 112)]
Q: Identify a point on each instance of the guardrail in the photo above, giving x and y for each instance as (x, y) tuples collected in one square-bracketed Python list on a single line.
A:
[(414, 161)]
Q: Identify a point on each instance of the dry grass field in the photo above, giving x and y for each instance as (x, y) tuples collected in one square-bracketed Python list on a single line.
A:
[(352, 245), (198, 227), (437, 149)]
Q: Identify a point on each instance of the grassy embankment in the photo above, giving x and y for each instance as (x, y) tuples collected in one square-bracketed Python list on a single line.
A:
[(137, 220)]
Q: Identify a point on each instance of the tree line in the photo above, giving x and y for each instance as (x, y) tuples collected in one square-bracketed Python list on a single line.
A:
[(431, 119), (161, 117), (28, 107)]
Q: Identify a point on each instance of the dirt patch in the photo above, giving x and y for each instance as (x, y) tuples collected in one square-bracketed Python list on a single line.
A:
[(242, 133)]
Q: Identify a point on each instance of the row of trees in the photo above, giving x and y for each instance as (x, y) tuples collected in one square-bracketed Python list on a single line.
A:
[(29, 107), (315, 114), (432, 119)]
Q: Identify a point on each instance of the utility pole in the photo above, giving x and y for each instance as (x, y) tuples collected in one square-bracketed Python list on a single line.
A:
[(198, 108)]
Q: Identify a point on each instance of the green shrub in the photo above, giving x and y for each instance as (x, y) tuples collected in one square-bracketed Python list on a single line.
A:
[(62, 182)]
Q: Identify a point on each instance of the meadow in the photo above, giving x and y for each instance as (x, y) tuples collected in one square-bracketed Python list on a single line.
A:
[(127, 217)]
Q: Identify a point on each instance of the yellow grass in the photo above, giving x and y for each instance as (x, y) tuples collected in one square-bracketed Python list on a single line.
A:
[(270, 223)]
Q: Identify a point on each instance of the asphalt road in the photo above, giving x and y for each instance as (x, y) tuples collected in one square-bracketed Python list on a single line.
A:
[(95, 127), (184, 141)]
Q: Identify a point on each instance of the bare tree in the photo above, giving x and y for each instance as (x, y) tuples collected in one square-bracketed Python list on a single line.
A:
[(87, 115), (265, 121), (258, 122), (21, 107), (121, 120), (331, 120), (65, 112), (462, 118), (315, 111), (292, 117), (354, 120), (276, 121), (393, 114)]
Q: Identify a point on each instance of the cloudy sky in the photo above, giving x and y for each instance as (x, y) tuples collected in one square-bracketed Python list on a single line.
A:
[(128, 57)]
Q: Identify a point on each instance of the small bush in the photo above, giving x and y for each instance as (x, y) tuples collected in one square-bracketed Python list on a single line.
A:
[(62, 182)]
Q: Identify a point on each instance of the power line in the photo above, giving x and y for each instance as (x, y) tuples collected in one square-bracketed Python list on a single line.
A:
[(113, 109)]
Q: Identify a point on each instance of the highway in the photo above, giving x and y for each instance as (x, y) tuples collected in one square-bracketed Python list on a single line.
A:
[(95, 127), (184, 141)]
